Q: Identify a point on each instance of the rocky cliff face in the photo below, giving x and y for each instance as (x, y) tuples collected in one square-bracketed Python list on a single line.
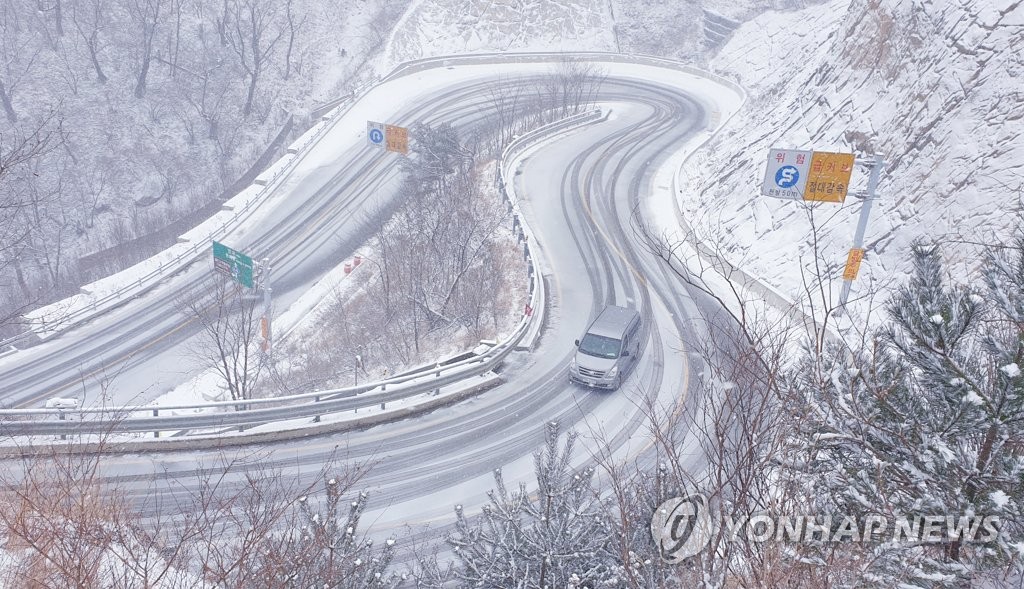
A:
[(936, 86), (432, 28), (683, 30)]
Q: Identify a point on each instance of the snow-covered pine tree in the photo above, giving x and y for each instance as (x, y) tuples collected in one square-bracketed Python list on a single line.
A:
[(557, 537), (328, 552), (927, 421)]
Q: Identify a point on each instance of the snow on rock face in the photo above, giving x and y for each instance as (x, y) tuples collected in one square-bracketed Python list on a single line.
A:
[(655, 27), (430, 29), (935, 86)]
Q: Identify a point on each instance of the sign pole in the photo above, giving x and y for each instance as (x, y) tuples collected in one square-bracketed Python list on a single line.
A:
[(862, 225), (267, 332)]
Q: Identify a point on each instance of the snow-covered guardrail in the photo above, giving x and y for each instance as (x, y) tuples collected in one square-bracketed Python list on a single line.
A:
[(252, 412), (419, 65)]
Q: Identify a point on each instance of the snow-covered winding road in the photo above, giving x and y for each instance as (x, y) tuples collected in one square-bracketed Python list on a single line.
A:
[(579, 194)]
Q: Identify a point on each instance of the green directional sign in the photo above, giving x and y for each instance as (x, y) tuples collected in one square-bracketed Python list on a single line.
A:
[(232, 263)]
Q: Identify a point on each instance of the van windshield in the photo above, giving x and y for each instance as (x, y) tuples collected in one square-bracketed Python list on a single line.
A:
[(600, 346)]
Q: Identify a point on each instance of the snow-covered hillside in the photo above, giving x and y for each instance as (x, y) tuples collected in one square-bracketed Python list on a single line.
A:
[(151, 113), (431, 28), (935, 86), (673, 29)]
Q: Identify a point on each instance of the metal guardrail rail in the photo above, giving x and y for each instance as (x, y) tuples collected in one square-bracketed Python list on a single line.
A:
[(244, 414)]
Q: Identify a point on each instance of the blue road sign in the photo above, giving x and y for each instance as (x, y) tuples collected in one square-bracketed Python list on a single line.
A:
[(787, 177), (375, 134), (786, 173)]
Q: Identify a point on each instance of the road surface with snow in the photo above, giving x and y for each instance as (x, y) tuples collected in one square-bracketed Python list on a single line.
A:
[(580, 192)]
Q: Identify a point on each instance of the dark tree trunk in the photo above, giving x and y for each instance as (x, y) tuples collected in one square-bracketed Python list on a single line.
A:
[(251, 95), (58, 16), (93, 41), (140, 86), (6, 100)]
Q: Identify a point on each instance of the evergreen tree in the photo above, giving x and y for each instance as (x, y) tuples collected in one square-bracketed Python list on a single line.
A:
[(558, 537), (328, 553), (927, 422)]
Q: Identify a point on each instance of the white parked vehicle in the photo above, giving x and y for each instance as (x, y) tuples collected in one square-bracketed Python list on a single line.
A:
[(62, 403)]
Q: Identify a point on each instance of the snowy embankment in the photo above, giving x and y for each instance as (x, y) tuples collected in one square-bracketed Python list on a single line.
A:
[(935, 90)]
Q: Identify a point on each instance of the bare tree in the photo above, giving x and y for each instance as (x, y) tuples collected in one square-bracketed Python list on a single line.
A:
[(507, 104), (57, 519), (567, 90), (174, 37), (57, 8), (206, 87), (146, 15), (66, 525), (230, 335), (295, 27), (437, 239), (19, 52), (234, 523), (21, 151), (253, 34), (580, 82)]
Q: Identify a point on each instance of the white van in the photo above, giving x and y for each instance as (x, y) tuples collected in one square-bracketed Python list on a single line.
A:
[(607, 349)]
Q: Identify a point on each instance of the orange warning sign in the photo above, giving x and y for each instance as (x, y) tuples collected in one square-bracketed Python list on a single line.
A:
[(853, 263), (397, 138), (828, 179)]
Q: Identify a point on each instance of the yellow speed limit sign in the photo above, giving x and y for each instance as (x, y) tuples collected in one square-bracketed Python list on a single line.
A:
[(853, 263)]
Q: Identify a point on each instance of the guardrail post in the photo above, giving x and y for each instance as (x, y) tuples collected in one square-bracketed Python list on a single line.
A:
[(62, 418), (316, 418), (156, 413)]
